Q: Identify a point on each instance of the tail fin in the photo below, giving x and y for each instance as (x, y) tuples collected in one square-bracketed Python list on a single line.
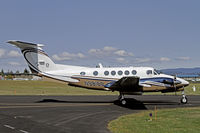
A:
[(38, 61)]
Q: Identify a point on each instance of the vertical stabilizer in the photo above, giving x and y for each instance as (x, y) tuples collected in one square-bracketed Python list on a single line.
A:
[(38, 61)]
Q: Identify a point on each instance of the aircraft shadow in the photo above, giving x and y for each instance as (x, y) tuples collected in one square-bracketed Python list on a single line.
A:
[(131, 103), (60, 101), (160, 102), (144, 105)]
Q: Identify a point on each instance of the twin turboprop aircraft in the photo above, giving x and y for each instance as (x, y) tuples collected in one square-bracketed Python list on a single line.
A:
[(126, 80)]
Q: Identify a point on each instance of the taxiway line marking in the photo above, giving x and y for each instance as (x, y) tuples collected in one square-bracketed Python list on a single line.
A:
[(81, 116), (13, 128), (23, 131), (8, 126)]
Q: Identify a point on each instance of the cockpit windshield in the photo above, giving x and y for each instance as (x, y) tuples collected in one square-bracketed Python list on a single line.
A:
[(155, 72)]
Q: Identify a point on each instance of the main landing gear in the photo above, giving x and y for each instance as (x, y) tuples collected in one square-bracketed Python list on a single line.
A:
[(121, 98), (184, 98)]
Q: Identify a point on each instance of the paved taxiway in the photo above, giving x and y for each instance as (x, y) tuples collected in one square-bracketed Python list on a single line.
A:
[(74, 114)]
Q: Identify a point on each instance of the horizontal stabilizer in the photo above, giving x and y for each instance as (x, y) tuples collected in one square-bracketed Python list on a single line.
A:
[(25, 45)]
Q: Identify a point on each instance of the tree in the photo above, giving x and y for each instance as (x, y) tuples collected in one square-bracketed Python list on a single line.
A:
[(2, 72), (17, 72), (26, 71), (11, 72)]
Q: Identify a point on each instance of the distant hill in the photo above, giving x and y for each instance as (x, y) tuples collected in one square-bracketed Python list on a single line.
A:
[(181, 71)]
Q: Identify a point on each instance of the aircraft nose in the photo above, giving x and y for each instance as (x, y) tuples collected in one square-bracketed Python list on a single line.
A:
[(184, 82)]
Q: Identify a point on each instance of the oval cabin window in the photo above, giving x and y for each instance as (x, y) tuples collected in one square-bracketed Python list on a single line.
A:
[(126, 72), (120, 72), (134, 72), (113, 73), (95, 73), (106, 73), (82, 73)]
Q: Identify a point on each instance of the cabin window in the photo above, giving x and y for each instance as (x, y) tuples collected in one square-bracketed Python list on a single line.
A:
[(95, 73), (113, 73), (106, 73), (126, 72), (134, 72), (120, 72), (82, 73), (149, 72)]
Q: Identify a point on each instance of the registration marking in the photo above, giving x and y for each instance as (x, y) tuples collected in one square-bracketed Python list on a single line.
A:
[(94, 83)]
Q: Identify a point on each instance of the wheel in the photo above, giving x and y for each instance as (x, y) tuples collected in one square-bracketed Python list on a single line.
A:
[(123, 102), (184, 100)]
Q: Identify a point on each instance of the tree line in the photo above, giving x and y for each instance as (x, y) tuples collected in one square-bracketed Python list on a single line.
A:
[(11, 72)]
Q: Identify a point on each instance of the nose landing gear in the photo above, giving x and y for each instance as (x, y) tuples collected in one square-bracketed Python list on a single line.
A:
[(184, 98)]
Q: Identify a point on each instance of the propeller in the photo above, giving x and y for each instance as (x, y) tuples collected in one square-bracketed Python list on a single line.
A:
[(174, 84)]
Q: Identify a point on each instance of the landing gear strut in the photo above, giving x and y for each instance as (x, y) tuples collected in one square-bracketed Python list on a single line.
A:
[(121, 98), (184, 98)]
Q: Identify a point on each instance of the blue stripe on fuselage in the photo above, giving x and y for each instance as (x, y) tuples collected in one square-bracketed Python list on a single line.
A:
[(157, 79)]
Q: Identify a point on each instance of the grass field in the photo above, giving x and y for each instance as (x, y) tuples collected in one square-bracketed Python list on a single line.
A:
[(180, 120), (11, 87)]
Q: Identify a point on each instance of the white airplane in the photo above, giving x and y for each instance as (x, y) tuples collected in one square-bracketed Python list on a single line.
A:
[(126, 80)]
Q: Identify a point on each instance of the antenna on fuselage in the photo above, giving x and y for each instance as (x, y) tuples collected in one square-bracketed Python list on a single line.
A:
[(100, 65)]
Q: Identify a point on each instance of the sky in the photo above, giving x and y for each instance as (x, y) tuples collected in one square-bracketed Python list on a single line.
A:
[(154, 33)]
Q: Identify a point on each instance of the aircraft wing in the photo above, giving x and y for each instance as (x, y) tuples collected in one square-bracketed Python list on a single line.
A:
[(125, 84)]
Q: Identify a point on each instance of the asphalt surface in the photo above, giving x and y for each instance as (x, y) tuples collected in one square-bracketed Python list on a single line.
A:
[(75, 114)]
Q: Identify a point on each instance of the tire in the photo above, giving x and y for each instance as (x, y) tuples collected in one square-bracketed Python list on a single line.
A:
[(123, 102), (184, 100)]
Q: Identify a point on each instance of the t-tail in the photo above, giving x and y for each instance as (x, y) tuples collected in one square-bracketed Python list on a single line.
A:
[(38, 61)]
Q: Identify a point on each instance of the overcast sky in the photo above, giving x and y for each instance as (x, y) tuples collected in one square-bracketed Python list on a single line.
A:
[(156, 33)]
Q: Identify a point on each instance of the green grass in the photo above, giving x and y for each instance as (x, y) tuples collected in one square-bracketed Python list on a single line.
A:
[(180, 120), (9, 87), (189, 90)]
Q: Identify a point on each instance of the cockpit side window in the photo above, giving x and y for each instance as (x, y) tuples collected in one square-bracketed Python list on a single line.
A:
[(149, 72)]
